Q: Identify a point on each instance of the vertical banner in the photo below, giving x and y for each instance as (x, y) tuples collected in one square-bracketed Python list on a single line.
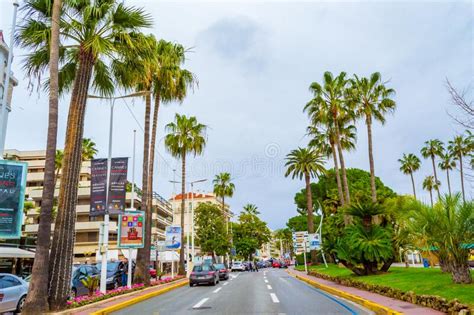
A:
[(131, 229), (173, 237), (117, 186), (98, 187), (12, 197)]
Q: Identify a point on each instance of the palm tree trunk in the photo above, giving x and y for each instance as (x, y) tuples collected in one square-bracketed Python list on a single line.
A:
[(338, 177), (435, 175), (341, 160), (143, 254), (37, 299), (431, 197), (181, 270), (449, 183), (368, 121), (309, 206), (61, 256), (413, 184), (462, 178)]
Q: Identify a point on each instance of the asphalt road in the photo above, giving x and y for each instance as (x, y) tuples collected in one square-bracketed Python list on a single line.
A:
[(269, 291)]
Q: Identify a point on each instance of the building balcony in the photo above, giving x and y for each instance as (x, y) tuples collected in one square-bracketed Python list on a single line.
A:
[(79, 227)]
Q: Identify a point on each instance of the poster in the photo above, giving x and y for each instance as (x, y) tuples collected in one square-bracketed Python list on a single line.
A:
[(314, 241), (131, 229), (12, 197), (173, 237), (117, 186)]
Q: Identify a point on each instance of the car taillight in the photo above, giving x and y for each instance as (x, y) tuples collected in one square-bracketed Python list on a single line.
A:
[(223, 270), (210, 273)]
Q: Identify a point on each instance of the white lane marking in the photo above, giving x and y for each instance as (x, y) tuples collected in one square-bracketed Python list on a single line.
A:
[(266, 281), (226, 283), (274, 298), (217, 290), (269, 287), (198, 304)]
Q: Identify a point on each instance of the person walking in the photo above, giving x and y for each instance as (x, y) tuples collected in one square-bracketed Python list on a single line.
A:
[(124, 272), (256, 266)]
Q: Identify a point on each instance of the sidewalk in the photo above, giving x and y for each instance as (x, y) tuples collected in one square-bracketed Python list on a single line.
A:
[(88, 309), (397, 305)]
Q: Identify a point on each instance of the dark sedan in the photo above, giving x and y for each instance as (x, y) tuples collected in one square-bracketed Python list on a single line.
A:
[(223, 271), (204, 274)]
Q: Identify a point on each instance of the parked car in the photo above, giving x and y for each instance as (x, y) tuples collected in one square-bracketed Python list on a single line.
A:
[(204, 274), (223, 271), (276, 264), (114, 274), (80, 273), (261, 264), (283, 264), (238, 266), (13, 291)]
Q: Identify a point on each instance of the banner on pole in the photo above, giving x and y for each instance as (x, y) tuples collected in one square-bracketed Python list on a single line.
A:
[(117, 186), (173, 237), (131, 229), (12, 197)]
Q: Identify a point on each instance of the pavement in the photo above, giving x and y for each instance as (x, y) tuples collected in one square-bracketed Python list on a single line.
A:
[(269, 291)]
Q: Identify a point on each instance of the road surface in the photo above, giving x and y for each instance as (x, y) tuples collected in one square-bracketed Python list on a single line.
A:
[(269, 291)]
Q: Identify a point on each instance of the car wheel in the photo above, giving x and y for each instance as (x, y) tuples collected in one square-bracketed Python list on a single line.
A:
[(20, 304), (213, 283), (191, 284)]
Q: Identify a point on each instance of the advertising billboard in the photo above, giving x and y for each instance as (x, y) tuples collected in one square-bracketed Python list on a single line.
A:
[(314, 241), (131, 229), (98, 187), (173, 237), (12, 197)]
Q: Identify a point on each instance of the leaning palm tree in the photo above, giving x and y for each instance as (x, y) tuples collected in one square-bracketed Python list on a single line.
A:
[(36, 299), (328, 108), (432, 149), (94, 32), (186, 135), (372, 100), (223, 187), (89, 149), (410, 163), (430, 184), (447, 164), (459, 147), (306, 163)]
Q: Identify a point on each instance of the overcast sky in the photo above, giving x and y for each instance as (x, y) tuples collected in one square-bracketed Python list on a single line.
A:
[(255, 62)]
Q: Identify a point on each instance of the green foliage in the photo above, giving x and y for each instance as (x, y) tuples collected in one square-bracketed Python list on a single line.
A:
[(91, 283), (410, 163), (300, 223), (211, 230), (249, 234), (186, 135), (223, 187), (304, 162)]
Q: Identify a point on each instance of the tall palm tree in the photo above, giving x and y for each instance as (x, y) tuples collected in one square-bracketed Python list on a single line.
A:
[(306, 163), (36, 299), (250, 208), (89, 149), (329, 107), (447, 164), (372, 100), (430, 184), (58, 164), (410, 163), (186, 135), (95, 33), (223, 187), (459, 147), (432, 149)]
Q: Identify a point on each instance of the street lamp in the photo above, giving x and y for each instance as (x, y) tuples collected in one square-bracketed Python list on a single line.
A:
[(105, 236)]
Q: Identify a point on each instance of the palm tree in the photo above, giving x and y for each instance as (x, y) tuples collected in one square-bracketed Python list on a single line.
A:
[(410, 163), (459, 147), (186, 135), (252, 209), (328, 107), (223, 187), (36, 299), (95, 32), (89, 149), (430, 183), (432, 149), (372, 100), (306, 163), (58, 164), (447, 164)]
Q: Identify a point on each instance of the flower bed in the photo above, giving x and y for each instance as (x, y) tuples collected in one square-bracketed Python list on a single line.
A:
[(98, 296)]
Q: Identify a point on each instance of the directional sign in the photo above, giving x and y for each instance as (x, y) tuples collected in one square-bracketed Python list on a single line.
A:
[(299, 240)]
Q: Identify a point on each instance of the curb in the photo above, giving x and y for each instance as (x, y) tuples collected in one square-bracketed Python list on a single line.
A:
[(377, 308), (119, 306)]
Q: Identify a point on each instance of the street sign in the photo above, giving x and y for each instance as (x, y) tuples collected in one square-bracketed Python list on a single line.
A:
[(173, 237), (314, 241), (299, 240), (12, 196), (131, 229)]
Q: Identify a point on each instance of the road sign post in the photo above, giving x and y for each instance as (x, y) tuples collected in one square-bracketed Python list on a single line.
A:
[(304, 257)]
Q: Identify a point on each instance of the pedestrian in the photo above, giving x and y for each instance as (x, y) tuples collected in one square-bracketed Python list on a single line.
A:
[(256, 266), (124, 272)]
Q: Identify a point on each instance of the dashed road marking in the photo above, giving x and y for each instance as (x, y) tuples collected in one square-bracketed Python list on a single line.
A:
[(269, 287), (200, 303), (217, 290), (266, 281), (274, 298), (226, 283)]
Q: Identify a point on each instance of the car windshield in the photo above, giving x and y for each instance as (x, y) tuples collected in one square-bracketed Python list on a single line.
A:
[(110, 266), (202, 268), (219, 266)]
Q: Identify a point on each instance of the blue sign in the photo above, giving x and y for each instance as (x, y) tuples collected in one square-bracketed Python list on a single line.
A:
[(173, 237)]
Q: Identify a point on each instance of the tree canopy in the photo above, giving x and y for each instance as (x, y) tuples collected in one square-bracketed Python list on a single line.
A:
[(211, 231)]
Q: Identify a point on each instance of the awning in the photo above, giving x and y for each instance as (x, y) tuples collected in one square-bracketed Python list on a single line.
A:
[(14, 252)]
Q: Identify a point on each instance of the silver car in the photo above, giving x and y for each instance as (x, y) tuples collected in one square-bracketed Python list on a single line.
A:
[(12, 293), (238, 266)]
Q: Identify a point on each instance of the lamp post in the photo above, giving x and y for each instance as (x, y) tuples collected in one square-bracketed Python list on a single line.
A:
[(105, 233)]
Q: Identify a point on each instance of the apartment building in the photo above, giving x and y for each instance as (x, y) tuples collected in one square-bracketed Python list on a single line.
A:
[(87, 228)]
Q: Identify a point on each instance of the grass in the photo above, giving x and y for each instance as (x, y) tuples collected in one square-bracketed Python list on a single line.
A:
[(419, 280)]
